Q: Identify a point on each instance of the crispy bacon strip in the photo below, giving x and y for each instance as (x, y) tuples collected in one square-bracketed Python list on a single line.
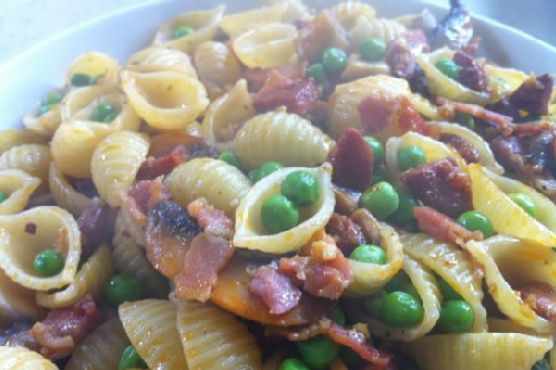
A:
[(541, 298), (442, 227), (153, 167), (352, 159), (96, 224), (275, 289), (212, 220)]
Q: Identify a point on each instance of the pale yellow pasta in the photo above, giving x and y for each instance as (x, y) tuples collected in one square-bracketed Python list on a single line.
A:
[(167, 100), (46, 123), (282, 137), (479, 351), (115, 163), (250, 232), (63, 192), (54, 228), (16, 302), (91, 279), (225, 115), (130, 259), (425, 284), (127, 220), (454, 266), (100, 350), (509, 263), (18, 186), (33, 159), (150, 325), (214, 339), (204, 23), (21, 358), (511, 78), (496, 325), (425, 107), (216, 64), (11, 137), (267, 46), (357, 68), (347, 12), (343, 111), (96, 64), (296, 10), (160, 58), (365, 28), (236, 24), (221, 184), (370, 277)]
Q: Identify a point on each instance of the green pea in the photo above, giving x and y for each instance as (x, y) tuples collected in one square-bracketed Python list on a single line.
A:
[(318, 351), (473, 221), (82, 79), (293, 364), (334, 60), (43, 109), (230, 158), (456, 316), (381, 199), (301, 187), (316, 72), (404, 213), (130, 359), (397, 282), (410, 289), (3, 196), (449, 68), (377, 148), (104, 112), (123, 288), (182, 31), (446, 289), (465, 119), (373, 304), (351, 358), (524, 202), (265, 170), (369, 253), (373, 49), (337, 315), (48, 263), (279, 214), (411, 156), (379, 175), (53, 97), (543, 364), (401, 310)]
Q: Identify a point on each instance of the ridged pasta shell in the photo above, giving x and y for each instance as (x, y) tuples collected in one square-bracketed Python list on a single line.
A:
[(90, 279), (33, 159), (425, 107), (454, 266), (511, 78), (236, 24), (250, 231), (18, 186), (202, 326), (21, 358), (509, 262), (283, 137), (64, 193), (55, 228), (160, 58), (364, 28), (347, 12), (11, 137), (217, 64), (297, 10), (150, 325), (479, 351), (44, 125), (96, 64), (16, 302), (115, 163)]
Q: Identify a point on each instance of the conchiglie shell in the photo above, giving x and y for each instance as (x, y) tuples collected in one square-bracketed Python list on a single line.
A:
[(44, 125), (250, 231), (160, 58), (167, 100), (425, 107), (21, 358), (357, 68), (95, 64), (204, 22), (296, 10), (479, 351), (427, 288), (217, 64), (365, 28), (90, 279), (203, 326), (150, 325), (18, 186), (487, 158), (16, 302), (496, 325), (282, 137), (347, 12), (115, 163), (33, 159), (11, 137), (454, 266), (63, 192), (509, 263), (100, 350), (238, 23), (225, 114), (512, 77), (506, 216), (221, 184), (55, 228), (267, 46)]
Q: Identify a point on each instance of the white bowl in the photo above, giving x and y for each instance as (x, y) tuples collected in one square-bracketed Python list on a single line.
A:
[(28, 76)]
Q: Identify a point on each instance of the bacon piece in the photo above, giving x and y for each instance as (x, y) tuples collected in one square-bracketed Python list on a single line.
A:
[(257, 77), (416, 40), (411, 120), (505, 108), (346, 200), (401, 59), (472, 74), (369, 225), (441, 185), (352, 159), (357, 342), (346, 233), (147, 193), (376, 112), (63, 328), (323, 31), (533, 95), (294, 333), (152, 167), (206, 256), (275, 289), (96, 224), (297, 95), (541, 298), (442, 227), (163, 144), (462, 146), (210, 219)]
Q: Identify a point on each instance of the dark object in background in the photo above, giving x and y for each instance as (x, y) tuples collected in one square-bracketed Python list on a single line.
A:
[(455, 30)]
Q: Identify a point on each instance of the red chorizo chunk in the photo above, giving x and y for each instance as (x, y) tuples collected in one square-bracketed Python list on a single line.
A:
[(352, 159), (442, 227)]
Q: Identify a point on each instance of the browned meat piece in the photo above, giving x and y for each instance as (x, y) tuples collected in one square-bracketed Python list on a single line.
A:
[(346, 200), (275, 289), (463, 147), (472, 74), (369, 225), (212, 220), (401, 59), (442, 227), (322, 32), (155, 167), (96, 224), (533, 95), (352, 159), (541, 298), (346, 233)]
